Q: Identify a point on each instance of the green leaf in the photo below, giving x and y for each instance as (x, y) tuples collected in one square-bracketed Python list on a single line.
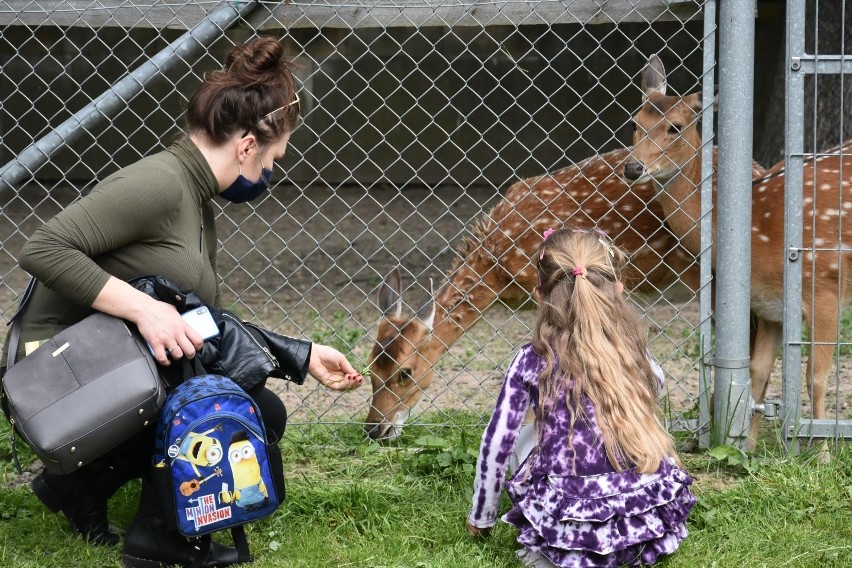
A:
[(431, 442)]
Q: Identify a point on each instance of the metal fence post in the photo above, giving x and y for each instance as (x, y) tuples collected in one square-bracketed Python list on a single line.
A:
[(705, 384), (793, 159), (732, 399)]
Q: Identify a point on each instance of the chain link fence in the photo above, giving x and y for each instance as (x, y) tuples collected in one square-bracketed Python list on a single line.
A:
[(418, 115)]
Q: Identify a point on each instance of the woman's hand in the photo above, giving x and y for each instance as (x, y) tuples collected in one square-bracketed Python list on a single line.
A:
[(159, 323), (167, 333), (332, 370), (476, 531)]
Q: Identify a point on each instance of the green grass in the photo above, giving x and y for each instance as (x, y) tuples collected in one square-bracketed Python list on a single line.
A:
[(351, 503)]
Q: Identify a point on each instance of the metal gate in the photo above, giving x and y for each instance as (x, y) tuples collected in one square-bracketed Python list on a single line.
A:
[(810, 148)]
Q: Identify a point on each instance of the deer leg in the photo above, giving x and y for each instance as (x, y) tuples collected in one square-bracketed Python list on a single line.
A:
[(823, 330), (764, 351)]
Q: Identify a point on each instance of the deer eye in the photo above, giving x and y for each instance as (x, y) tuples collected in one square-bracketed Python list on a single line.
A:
[(404, 374), (633, 125), (675, 128)]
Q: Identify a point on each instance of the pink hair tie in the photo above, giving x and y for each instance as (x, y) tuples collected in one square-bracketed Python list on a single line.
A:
[(547, 232), (579, 271)]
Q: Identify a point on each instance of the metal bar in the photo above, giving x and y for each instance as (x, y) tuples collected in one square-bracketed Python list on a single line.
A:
[(349, 14), (820, 429), (108, 103), (791, 398), (821, 64), (706, 261), (732, 398)]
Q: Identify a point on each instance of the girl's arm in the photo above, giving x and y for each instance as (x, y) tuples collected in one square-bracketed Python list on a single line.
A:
[(498, 442)]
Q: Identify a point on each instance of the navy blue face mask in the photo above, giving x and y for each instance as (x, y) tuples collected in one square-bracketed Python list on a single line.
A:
[(243, 190)]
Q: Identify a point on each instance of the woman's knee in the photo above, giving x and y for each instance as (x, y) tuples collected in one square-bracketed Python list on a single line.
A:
[(272, 410)]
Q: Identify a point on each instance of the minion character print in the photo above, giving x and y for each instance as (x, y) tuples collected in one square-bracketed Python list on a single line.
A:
[(250, 491), (199, 449)]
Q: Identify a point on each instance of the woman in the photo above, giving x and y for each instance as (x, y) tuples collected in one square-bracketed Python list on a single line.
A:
[(155, 217)]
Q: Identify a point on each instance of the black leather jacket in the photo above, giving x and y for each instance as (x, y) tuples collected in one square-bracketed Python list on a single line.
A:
[(242, 351)]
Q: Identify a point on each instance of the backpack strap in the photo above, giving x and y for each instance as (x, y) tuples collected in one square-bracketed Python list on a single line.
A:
[(238, 533)]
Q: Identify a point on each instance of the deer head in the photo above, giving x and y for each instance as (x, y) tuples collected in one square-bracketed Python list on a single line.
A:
[(401, 367), (665, 130)]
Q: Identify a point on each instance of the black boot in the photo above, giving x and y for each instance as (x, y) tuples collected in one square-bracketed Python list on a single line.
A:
[(150, 543), (82, 497)]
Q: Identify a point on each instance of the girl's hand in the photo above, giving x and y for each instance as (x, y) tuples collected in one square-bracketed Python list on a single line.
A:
[(476, 531), (332, 370)]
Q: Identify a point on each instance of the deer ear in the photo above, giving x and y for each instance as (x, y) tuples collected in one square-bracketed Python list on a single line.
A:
[(426, 312), (696, 101), (389, 294), (654, 77)]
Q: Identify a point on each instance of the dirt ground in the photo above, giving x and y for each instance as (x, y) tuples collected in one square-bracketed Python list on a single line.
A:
[(310, 264)]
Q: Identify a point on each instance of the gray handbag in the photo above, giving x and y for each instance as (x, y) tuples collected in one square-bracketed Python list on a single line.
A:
[(82, 392)]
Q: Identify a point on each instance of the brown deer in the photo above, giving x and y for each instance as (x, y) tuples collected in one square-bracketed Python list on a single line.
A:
[(665, 151), (494, 264)]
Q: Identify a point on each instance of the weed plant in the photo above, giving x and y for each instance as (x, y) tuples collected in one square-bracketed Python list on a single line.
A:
[(355, 503)]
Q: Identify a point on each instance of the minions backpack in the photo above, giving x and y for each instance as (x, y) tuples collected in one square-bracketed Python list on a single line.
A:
[(214, 466)]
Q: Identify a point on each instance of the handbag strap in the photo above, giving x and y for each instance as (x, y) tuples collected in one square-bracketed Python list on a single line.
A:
[(12, 355), (15, 329)]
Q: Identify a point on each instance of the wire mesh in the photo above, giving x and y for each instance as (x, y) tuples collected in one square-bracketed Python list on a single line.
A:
[(417, 119)]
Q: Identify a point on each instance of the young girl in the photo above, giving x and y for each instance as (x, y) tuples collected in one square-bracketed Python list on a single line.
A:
[(602, 484)]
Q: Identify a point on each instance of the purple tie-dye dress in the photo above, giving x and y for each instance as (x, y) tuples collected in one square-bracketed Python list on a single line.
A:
[(569, 503)]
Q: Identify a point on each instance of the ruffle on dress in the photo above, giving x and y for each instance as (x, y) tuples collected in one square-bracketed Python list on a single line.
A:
[(603, 520)]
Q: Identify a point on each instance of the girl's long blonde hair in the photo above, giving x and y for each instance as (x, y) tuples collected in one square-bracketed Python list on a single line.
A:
[(588, 332)]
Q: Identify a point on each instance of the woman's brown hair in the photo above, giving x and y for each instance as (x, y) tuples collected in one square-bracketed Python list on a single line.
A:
[(590, 334), (257, 79)]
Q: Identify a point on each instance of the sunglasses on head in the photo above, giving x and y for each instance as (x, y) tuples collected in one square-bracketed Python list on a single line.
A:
[(295, 101)]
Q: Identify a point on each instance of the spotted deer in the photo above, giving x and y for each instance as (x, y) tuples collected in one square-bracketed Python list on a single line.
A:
[(665, 151), (493, 264)]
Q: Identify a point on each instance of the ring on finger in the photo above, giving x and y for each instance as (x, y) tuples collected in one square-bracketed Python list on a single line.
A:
[(170, 349)]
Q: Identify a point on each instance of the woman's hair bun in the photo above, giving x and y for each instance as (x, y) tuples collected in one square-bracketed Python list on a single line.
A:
[(251, 62)]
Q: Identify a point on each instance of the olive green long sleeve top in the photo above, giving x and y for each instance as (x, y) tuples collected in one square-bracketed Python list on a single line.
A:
[(151, 218)]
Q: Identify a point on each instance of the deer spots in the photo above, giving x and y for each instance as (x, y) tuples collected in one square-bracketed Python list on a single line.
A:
[(825, 186), (761, 188), (763, 238), (767, 215)]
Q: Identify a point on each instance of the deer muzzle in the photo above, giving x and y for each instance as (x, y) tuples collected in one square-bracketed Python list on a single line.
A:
[(633, 171)]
